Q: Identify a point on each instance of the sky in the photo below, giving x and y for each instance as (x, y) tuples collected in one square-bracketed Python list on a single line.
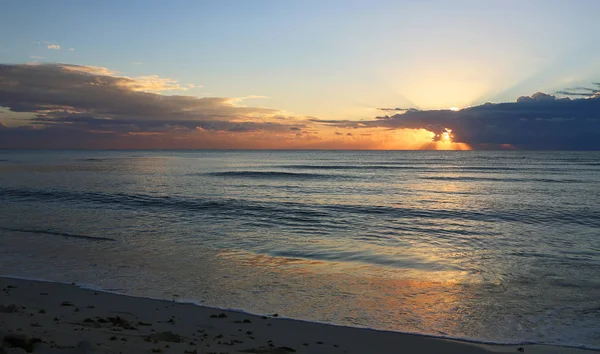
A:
[(329, 74)]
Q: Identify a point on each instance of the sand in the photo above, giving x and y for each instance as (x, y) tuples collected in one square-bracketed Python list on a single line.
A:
[(46, 317)]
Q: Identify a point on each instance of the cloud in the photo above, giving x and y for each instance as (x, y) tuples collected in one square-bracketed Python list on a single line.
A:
[(397, 109), (539, 121), (36, 57), (154, 83), (71, 49), (53, 46), (589, 92), (72, 99), (75, 106)]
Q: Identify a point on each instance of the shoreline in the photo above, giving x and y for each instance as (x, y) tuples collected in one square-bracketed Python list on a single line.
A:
[(70, 318)]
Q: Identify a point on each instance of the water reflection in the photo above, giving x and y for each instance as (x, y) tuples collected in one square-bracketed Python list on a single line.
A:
[(466, 245)]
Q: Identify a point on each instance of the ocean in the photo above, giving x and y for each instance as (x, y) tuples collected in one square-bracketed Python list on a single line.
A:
[(498, 247)]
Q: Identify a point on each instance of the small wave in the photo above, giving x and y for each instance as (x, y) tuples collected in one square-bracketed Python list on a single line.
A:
[(63, 234), (365, 257), (270, 174), (501, 179), (93, 160), (294, 212), (348, 167)]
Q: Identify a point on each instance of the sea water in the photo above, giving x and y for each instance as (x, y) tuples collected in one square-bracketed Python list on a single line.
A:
[(497, 247)]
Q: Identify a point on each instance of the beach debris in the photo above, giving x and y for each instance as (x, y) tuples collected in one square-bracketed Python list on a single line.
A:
[(156, 350), (269, 350), (12, 308), (221, 315), (243, 321), (21, 341), (520, 349), (166, 336), (66, 303), (120, 322)]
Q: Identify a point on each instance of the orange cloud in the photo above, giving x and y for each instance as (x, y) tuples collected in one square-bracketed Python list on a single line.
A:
[(86, 106)]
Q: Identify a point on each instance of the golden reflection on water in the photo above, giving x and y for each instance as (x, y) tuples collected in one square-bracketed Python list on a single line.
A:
[(400, 299)]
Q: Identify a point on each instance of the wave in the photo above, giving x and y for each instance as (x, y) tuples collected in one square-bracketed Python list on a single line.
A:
[(300, 213), (94, 160), (348, 167), (63, 234), (501, 179), (441, 168), (270, 174)]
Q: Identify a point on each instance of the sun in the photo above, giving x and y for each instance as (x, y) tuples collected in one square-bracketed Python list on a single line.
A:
[(454, 109), (445, 136), (444, 141)]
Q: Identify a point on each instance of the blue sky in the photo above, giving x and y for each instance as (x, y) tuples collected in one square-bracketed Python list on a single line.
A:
[(325, 59)]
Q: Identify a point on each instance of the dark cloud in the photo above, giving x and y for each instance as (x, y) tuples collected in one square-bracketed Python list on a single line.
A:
[(537, 97), (582, 91), (540, 121), (72, 97)]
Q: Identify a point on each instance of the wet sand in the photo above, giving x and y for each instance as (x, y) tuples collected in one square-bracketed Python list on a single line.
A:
[(44, 317)]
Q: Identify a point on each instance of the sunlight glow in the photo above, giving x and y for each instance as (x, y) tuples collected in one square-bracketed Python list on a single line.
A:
[(444, 141)]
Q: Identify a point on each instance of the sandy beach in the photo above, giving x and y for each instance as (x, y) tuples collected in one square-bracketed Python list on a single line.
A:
[(44, 317)]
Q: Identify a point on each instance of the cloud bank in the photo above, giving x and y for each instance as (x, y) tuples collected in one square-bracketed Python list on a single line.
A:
[(539, 121), (84, 101), (74, 106)]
